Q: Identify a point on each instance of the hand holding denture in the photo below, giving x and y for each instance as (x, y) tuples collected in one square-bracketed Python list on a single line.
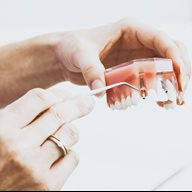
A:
[(89, 52)]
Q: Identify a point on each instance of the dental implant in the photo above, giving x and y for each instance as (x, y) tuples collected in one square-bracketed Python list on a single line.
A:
[(143, 90)]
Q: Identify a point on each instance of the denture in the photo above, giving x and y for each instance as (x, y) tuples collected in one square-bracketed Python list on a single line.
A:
[(154, 78)]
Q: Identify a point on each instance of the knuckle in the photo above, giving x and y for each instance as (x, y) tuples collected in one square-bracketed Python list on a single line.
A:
[(170, 50), (160, 36), (57, 114), (38, 94), (42, 96), (88, 69)]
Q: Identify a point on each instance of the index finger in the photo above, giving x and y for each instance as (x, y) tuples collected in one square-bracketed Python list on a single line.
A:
[(23, 111)]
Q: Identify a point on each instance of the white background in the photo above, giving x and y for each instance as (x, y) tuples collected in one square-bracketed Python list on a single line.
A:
[(133, 149)]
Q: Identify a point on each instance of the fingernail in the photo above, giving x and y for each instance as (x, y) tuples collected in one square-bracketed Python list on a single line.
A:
[(97, 84)]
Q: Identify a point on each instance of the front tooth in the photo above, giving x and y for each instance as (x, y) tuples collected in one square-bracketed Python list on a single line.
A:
[(112, 107), (166, 107), (124, 104), (172, 95), (128, 101), (162, 96), (135, 98), (118, 105), (169, 106), (152, 96)]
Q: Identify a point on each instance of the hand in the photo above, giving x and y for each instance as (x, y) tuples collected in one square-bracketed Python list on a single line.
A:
[(29, 161), (82, 56), (87, 53)]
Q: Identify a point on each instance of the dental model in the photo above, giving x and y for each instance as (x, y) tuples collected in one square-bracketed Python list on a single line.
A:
[(153, 79)]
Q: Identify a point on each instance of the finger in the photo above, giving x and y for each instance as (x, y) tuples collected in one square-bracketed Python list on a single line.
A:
[(49, 122), (163, 45), (62, 170), (92, 69), (64, 91), (186, 69), (27, 108), (68, 135), (23, 111)]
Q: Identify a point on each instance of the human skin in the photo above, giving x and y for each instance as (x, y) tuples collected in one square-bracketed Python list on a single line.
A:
[(82, 56), (29, 161)]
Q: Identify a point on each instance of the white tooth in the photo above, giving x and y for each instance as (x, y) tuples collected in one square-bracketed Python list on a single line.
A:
[(166, 107), (172, 95), (152, 96), (112, 107), (169, 106), (170, 85), (173, 106), (135, 98), (117, 105), (162, 96), (128, 101), (124, 104)]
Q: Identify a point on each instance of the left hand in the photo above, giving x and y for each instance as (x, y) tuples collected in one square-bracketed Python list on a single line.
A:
[(30, 160), (84, 55)]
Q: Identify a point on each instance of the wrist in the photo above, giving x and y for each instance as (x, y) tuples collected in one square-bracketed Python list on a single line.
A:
[(44, 48)]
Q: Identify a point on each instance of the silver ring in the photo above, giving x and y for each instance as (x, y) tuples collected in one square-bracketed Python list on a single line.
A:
[(60, 144)]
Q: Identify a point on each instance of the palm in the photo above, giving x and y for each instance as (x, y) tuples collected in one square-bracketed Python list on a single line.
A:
[(127, 48)]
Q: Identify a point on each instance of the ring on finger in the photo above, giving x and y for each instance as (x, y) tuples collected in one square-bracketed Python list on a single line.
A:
[(60, 144)]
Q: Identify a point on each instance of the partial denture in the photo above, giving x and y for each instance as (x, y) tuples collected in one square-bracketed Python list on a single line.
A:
[(153, 77)]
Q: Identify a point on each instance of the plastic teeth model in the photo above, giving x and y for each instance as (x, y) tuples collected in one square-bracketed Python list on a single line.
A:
[(154, 78)]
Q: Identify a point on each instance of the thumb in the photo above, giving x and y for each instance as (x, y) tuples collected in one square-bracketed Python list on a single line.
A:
[(92, 70)]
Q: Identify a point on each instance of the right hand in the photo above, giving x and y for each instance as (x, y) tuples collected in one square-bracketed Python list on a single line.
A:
[(85, 54), (29, 161)]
